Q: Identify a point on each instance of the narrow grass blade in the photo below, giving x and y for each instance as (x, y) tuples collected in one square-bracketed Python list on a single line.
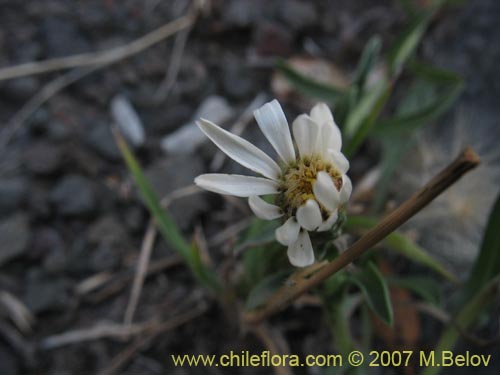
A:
[(487, 265), (165, 223), (467, 316), (308, 86), (401, 244), (375, 290)]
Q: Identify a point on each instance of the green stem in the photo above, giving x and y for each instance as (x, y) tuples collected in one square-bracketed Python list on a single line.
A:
[(465, 318)]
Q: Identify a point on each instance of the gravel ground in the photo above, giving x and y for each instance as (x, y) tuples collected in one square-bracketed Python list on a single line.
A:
[(68, 208)]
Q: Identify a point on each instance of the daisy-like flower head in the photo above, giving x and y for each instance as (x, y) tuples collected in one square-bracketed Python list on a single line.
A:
[(309, 183)]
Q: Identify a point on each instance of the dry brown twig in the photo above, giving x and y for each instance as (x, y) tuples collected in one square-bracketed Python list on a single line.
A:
[(47, 92), (173, 69), (466, 161), (101, 330), (13, 308), (147, 249), (103, 285), (142, 269), (90, 62), (101, 58), (113, 283), (123, 357), (274, 341), (120, 331)]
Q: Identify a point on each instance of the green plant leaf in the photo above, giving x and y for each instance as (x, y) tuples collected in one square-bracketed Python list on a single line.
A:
[(432, 94), (470, 312), (363, 109), (258, 232), (361, 119), (375, 291), (409, 40), (205, 275), (339, 310), (262, 255), (165, 223), (426, 288), (393, 150), (308, 86), (487, 264), (368, 59), (335, 284), (265, 289), (402, 244), (261, 261), (409, 7)]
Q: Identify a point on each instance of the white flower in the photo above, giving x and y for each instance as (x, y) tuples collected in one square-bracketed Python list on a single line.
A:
[(308, 187)]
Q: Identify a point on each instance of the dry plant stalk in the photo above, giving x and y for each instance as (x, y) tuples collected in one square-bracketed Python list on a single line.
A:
[(98, 58), (466, 161)]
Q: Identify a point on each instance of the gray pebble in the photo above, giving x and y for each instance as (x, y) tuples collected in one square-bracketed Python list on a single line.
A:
[(74, 196), (14, 235)]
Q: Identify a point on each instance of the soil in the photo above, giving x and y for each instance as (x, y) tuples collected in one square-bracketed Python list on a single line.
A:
[(68, 207)]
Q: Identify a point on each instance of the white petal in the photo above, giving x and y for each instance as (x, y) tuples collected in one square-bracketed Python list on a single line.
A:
[(264, 210), (339, 160), (301, 253), (330, 137), (309, 215), (287, 234), (321, 114), (240, 150), (240, 186), (272, 122), (328, 223), (330, 133), (326, 192), (305, 132), (346, 190)]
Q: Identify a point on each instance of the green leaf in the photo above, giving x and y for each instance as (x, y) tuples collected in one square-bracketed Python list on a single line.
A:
[(308, 86), (408, 41), (205, 275), (339, 308), (471, 311), (393, 150), (258, 232), (335, 283), (363, 109), (426, 288), (432, 94), (261, 261), (409, 7), (262, 255), (406, 247), (368, 59), (487, 264), (361, 120), (265, 289), (375, 290), (165, 223), (402, 244)]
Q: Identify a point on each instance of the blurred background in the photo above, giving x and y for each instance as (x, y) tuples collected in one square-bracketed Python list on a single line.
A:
[(72, 225)]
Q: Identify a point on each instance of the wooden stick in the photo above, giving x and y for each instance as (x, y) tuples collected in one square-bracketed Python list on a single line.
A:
[(466, 161), (141, 272), (103, 58), (92, 62)]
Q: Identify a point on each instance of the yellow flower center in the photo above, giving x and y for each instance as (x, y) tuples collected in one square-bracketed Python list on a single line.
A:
[(297, 180)]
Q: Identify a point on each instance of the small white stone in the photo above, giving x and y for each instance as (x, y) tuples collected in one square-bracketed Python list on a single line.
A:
[(127, 120)]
